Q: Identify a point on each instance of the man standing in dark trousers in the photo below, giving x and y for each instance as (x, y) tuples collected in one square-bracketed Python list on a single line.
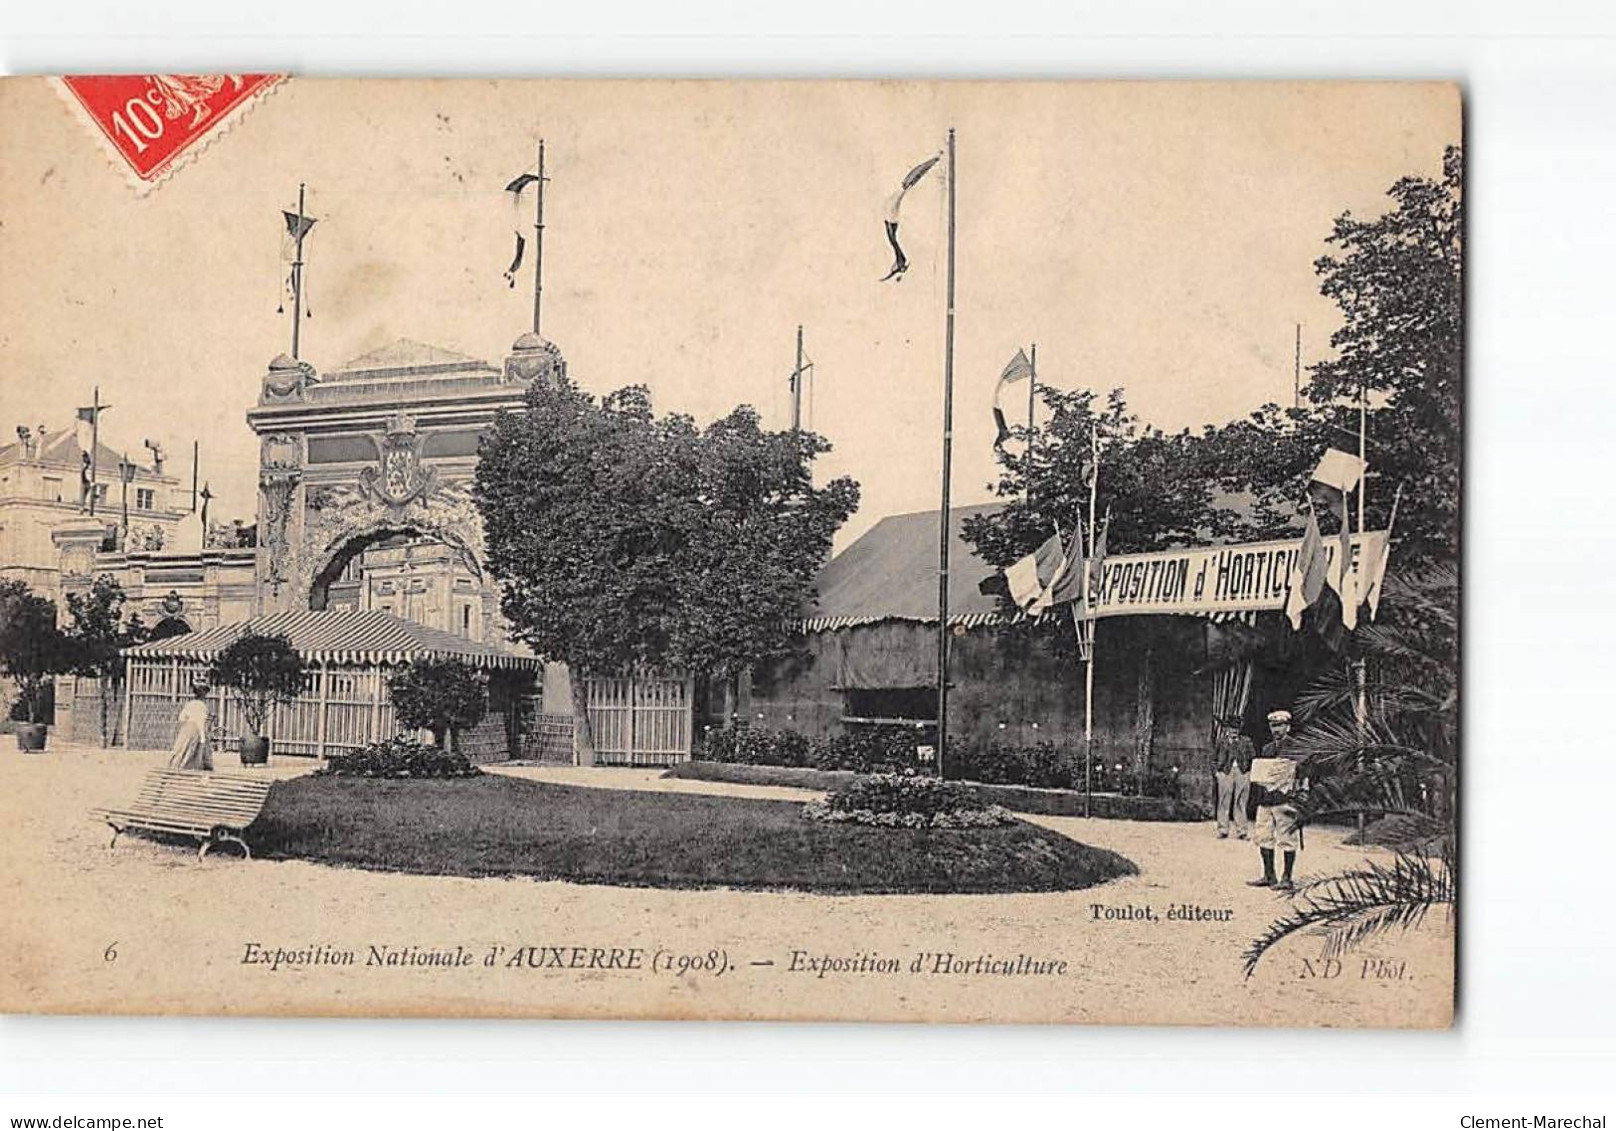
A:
[(1231, 771), (1274, 780)]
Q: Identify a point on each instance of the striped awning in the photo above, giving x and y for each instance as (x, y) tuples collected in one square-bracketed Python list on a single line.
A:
[(341, 636)]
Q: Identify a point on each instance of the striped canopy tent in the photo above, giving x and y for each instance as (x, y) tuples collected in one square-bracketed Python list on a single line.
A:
[(342, 636), (350, 653)]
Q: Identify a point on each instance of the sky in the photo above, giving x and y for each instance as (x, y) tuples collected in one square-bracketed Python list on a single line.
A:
[(1159, 237)]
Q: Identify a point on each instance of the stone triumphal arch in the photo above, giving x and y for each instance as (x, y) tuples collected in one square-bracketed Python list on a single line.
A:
[(363, 463)]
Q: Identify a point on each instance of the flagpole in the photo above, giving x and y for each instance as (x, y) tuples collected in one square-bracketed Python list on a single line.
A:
[(796, 386), (538, 243), (1032, 435), (124, 472), (1088, 668), (1363, 444), (196, 451), (1297, 401), (297, 278), (95, 443), (945, 524)]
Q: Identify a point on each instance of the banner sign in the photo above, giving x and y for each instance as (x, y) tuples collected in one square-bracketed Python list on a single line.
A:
[(1216, 579)]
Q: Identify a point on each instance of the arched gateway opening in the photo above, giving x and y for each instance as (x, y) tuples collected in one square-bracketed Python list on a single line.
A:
[(418, 574)]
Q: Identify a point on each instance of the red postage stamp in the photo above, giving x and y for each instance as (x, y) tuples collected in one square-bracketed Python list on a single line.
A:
[(156, 123)]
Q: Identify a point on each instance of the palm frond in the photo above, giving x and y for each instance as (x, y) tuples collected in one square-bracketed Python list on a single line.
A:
[(1354, 906)]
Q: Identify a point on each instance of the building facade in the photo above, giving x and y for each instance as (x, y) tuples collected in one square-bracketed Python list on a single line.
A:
[(45, 485)]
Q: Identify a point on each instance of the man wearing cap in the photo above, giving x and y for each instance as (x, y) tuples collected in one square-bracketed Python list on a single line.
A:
[(1274, 781)]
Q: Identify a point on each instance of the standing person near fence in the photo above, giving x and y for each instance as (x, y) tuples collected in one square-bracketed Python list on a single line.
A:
[(192, 749), (1231, 771)]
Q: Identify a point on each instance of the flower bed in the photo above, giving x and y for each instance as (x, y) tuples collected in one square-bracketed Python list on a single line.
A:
[(399, 757), (891, 749), (901, 801), (1017, 798)]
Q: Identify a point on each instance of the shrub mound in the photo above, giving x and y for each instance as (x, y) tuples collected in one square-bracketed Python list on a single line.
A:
[(904, 801), (400, 757)]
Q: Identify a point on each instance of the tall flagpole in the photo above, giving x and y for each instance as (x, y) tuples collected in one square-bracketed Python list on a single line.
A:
[(1296, 400), (796, 386), (1360, 705), (297, 278), (1032, 436), (1088, 668), (95, 444), (946, 524), (123, 476), (538, 243)]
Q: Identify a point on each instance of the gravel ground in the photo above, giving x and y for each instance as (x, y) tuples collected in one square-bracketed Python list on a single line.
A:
[(147, 928)]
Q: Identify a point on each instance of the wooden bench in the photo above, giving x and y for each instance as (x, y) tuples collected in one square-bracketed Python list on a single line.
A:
[(214, 808)]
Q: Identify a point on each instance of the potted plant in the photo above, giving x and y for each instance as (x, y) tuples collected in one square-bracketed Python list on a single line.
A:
[(262, 671), (32, 650), (442, 696)]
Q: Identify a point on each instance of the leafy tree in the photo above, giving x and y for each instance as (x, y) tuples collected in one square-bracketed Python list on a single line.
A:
[(1157, 487), (32, 648), (98, 634), (619, 535), (443, 696), (262, 670), (758, 533), (1398, 280)]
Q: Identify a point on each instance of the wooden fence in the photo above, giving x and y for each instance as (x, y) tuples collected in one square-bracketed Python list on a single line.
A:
[(641, 720), (342, 710)]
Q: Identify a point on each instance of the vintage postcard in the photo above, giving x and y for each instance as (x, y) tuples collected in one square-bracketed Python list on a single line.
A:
[(891, 551)]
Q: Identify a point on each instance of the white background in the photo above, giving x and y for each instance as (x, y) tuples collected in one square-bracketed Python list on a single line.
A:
[(1536, 1000)]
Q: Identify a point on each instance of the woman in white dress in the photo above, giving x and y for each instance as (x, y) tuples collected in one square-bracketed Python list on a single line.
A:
[(191, 750)]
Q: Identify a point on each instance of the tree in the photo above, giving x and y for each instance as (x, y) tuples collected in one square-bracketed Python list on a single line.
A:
[(97, 637), (1149, 482), (32, 648), (619, 536), (758, 533), (443, 696), (263, 671), (1398, 280)]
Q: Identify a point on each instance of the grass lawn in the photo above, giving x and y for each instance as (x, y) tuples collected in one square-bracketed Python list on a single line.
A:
[(495, 825)]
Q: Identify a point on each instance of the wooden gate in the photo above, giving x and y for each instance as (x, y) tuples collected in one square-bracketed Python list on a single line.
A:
[(641, 720)]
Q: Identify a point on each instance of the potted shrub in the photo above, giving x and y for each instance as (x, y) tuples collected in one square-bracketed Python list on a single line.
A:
[(32, 650), (261, 671), (442, 696)]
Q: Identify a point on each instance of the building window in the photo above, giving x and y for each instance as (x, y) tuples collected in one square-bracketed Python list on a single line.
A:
[(465, 620), (891, 705), (53, 489), (145, 498)]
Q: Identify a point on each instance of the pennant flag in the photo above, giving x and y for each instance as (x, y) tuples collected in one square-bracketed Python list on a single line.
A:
[(900, 262), (1030, 578), (1096, 562), (1336, 476), (1339, 471), (1374, 581), (1019, 369), (516, 260), (1067, 585), (297, 226), (1309, 571), (517, 186), (88, 413)]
